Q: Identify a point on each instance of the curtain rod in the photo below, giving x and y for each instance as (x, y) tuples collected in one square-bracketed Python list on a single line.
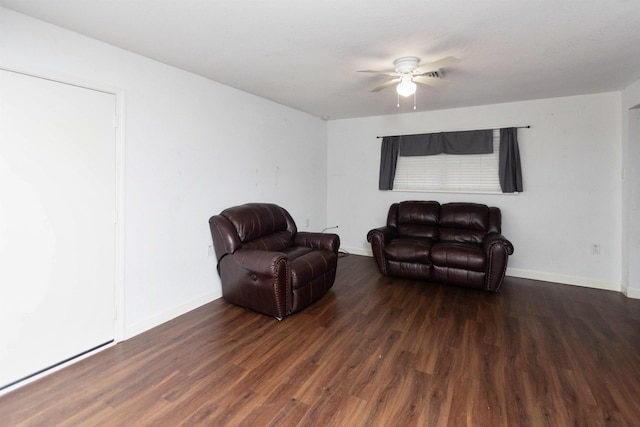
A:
[(468, 130)]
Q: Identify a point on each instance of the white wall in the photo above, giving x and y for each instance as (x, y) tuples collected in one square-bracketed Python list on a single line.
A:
[(571, 172), (192, 148), (631, 190)]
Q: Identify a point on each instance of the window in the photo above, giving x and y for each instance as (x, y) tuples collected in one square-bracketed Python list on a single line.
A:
[(450, 172)]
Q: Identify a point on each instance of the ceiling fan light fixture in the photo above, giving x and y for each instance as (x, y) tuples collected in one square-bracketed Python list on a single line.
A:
[(406, 64), (406, 87)]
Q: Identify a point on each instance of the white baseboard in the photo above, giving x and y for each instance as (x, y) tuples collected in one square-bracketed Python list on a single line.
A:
[(564, 279), (56, 368), (358, 251), (632, 293), (153, 321), (542, 276)]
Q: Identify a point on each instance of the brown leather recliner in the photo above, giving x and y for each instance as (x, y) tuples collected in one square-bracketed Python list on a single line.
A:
[(266, 265), (454, 243)]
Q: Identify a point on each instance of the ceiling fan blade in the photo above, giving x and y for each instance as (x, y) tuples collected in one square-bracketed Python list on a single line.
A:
[(385, 85), (435, 66), (386, 73), (430, 81)]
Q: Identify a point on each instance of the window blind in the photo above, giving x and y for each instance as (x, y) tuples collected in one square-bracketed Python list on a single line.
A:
[(450, 172)]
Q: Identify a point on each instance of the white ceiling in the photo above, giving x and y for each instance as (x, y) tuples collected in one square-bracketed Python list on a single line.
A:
[(305, 53)]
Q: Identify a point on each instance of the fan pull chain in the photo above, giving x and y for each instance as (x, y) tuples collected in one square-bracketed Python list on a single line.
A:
[(414, 101)]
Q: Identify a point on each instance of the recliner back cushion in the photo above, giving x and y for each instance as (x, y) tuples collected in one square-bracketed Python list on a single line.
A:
[(463, 222), (262, 226), (417, 219), (273, 242)]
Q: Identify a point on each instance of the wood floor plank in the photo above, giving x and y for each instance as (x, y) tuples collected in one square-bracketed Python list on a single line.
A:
[(374, 351)]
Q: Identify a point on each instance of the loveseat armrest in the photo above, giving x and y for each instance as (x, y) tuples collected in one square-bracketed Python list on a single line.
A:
[(493, 239), (379, 237), (258, 280), (498, 249), (329, 242), (383, 234)]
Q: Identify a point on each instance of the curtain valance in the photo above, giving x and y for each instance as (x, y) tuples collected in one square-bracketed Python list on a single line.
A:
[(429, 144)]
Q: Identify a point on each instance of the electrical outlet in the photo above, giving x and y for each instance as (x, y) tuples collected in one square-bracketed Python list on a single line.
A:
[(595, 249), (210, 250)]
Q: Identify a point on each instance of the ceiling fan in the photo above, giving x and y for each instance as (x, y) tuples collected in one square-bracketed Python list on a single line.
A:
[(408, 72)]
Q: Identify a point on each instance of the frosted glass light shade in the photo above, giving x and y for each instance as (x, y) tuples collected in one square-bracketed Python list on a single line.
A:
[(406, 87)]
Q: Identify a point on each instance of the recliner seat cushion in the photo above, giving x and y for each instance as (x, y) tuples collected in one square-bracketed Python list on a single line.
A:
[(459, 255), (308, 266), (408, 249)]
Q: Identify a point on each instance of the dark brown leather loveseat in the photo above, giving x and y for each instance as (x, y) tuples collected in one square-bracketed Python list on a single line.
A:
[(453, 243), (266, 265)]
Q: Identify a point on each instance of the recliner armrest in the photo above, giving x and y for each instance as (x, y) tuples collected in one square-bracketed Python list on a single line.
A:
[(259, 262), (492, 239), (329, 242), (258, 280)]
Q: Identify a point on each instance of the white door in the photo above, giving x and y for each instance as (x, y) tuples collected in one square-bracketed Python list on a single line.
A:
[(57, 204)]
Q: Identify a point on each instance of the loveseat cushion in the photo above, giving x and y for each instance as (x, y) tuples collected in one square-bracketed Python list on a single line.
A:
[(459, 255), (416, 219), (463, 222), (408, 249)]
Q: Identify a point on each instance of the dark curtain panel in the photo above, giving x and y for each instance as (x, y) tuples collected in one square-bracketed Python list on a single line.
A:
[(465, 142), (509, 171), (388, 160)]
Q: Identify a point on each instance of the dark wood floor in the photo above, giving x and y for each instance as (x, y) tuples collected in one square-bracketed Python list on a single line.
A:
[(375, 351)]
